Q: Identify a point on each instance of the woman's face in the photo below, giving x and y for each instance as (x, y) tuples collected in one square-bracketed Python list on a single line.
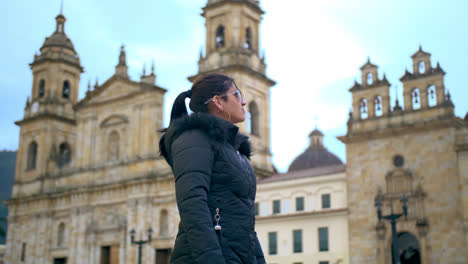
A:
[(233, 107)]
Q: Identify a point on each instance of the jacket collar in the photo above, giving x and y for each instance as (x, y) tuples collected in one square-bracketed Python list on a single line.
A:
[(216, 128)]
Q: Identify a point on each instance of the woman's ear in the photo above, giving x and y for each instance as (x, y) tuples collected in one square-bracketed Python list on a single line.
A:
[(217, 104)]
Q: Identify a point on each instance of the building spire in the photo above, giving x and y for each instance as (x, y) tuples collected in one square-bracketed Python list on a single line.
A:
[(121, 69), (61, 7)]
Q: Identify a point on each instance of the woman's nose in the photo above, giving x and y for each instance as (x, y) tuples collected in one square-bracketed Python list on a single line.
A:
[(243, 103)]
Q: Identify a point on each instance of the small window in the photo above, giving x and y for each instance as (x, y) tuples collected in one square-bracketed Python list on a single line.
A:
[(64, 154), (32, 156), (248, 39), (254, 119), (41, 88), (422, 67), (363, 107), (398, 161), (378, 105), (23, 252), (276, 206), (248, 122), (61, 235), (431, 96), (326, 203), (369, 79), (164, 223), (113, 145), (256, 209), (299, 204), (324, 262), (297, 238), (323, 239), (66, 90), (415, 99), (272, 243), (220, 37)]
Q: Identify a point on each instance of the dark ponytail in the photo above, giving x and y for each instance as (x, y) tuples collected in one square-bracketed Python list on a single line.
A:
[(203, 88), (178, 108)]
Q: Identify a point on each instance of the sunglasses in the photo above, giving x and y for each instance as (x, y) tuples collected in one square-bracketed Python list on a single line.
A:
[(237, 92)]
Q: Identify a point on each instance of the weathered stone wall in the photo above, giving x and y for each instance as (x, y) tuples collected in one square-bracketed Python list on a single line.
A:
[(432, 160), (93, 219)]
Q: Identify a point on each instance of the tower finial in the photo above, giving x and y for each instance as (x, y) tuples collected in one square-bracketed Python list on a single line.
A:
[(152, 67), (144, 69), (61, 7)]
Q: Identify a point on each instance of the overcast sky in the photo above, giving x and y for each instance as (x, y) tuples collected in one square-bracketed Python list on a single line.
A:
[(314, 50)]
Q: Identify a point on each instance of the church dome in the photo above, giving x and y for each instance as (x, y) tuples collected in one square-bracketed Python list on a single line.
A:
[(59, 38), (316, 155)]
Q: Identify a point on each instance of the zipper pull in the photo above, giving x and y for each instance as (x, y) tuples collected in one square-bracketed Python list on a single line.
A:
[(217, 218)]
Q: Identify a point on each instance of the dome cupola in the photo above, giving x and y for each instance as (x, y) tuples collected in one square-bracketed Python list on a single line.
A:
[(316, 155)]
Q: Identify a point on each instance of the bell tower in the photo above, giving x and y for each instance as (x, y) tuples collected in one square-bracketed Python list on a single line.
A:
[(371, 98), (405, 157), (232, 48), (47, 128)]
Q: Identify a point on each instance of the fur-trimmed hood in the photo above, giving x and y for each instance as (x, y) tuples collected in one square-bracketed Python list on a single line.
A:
[(216, 128)]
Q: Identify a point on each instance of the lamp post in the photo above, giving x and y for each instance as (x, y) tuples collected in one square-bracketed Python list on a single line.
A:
[(392, 218), (140, 243)]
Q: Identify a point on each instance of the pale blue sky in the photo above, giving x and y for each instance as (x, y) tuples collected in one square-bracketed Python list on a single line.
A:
[(313, 50)]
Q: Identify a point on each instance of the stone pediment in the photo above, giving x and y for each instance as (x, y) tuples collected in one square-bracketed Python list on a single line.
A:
[(114, 88)]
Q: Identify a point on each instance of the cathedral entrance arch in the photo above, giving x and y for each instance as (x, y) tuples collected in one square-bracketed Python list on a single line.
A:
[(408, 249)]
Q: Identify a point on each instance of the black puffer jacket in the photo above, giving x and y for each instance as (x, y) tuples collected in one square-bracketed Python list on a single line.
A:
[(208, 157)]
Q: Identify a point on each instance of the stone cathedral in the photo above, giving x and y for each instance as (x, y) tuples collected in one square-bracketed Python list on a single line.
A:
[(415, 155), (89, 172)]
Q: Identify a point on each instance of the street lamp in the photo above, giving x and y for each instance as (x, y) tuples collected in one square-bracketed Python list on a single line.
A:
[(392, 218), (140, 243)]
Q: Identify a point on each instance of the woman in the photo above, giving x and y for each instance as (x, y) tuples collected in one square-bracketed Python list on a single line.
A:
[(215, 184)]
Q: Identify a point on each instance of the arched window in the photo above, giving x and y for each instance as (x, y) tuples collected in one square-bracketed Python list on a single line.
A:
[(415, 99), (431, 96), (369, 79), (41, 88), (60, 235), (66, 90), (248, 39), (422, 67), (363, 107), (248, 122), (220, 37), (64, 154), (113, 146), (378, 105), (32, 156), (254, 119), (164, 223)]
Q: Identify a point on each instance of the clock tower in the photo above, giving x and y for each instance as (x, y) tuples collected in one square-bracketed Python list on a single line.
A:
[(47, 134), (232, 48)]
